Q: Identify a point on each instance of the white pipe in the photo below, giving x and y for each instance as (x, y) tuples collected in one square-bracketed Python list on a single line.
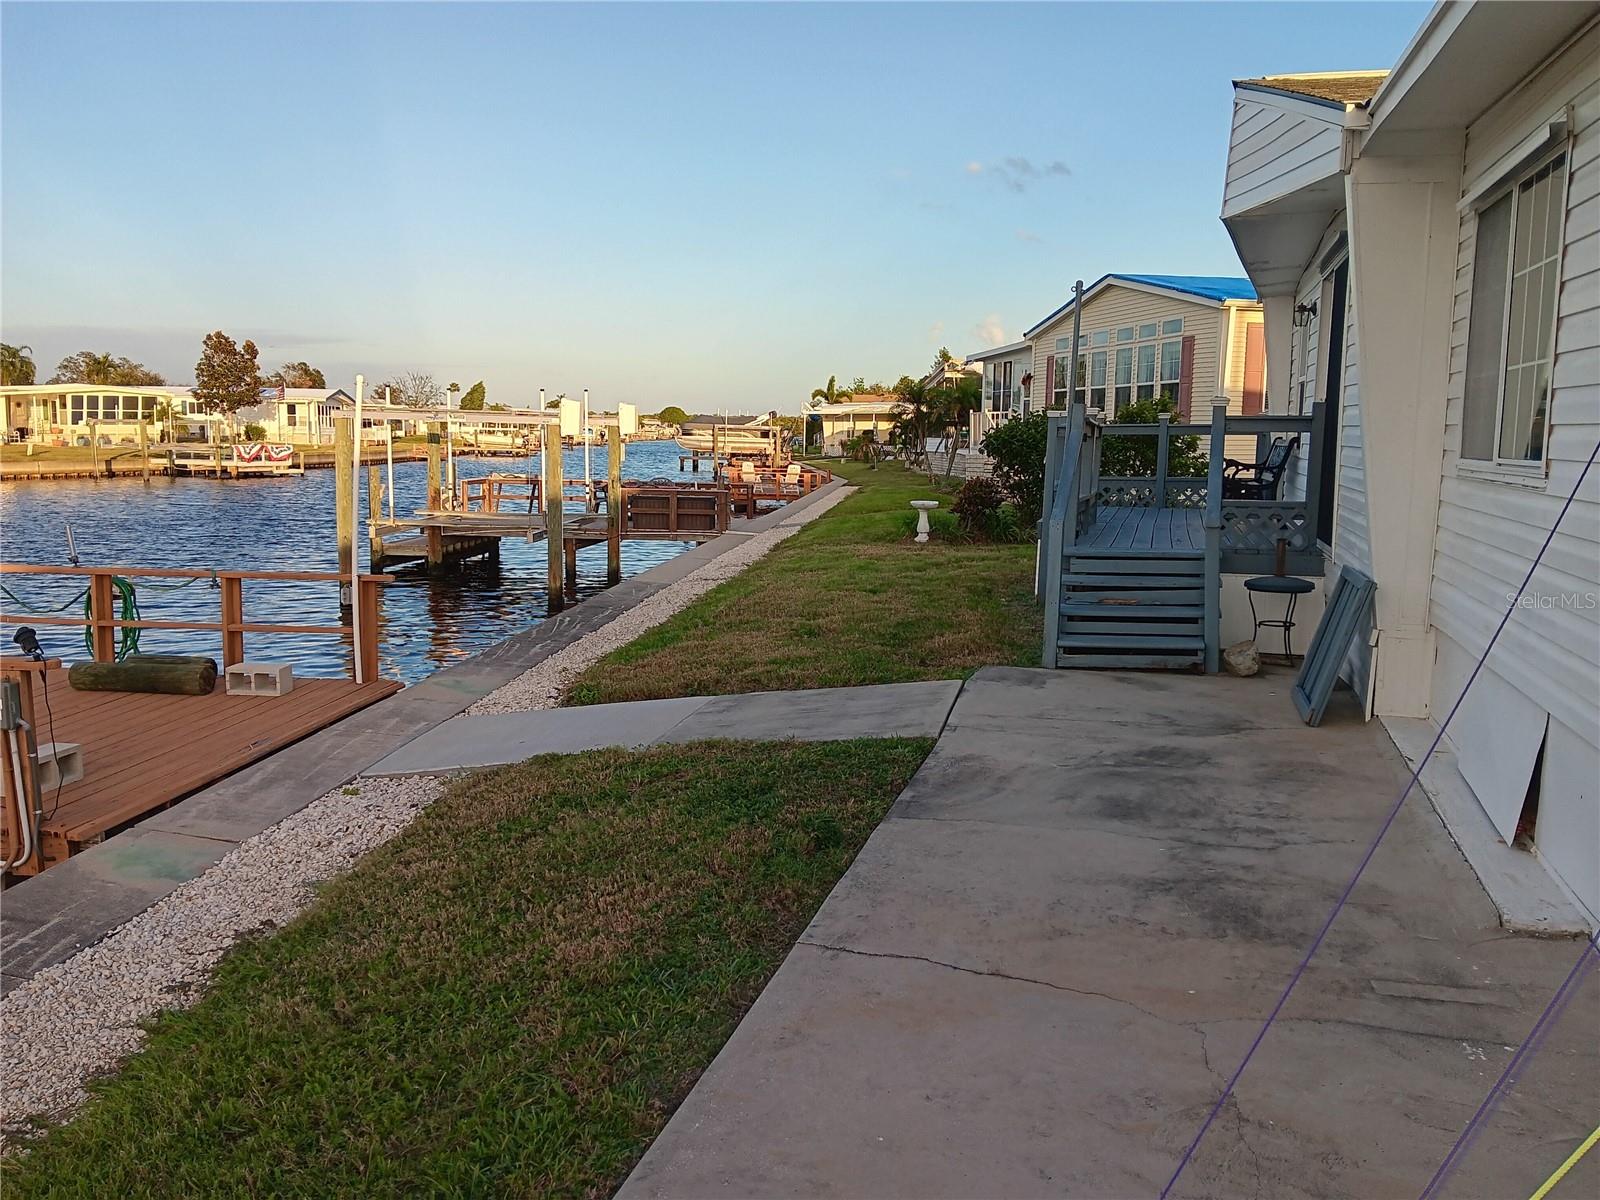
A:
[(24, 817), (355, 523), (588, 481)]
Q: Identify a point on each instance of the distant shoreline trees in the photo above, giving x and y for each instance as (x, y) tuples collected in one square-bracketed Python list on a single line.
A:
[(86, 366), (16, 364)]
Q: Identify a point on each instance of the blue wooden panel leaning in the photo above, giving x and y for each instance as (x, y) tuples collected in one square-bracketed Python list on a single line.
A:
[(1347, 609)]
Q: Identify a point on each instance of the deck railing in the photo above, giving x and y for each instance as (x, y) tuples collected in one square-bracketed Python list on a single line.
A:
[(1242, 535), (103, 623)]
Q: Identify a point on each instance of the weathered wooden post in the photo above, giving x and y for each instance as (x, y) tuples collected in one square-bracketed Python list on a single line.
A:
[(434, 497), (374, 508), (344, 499), (1163, 437), (555, 539), (144, 446), (614, 505), (232, 617), (103, 635)]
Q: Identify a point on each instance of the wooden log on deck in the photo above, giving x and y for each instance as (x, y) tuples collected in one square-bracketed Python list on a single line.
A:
[(162, 674), (550, 454)]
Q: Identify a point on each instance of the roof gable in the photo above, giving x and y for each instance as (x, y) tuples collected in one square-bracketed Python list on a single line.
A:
[(1204, 289)]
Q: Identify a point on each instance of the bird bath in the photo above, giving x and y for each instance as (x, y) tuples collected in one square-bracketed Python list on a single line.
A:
[(923, 507)]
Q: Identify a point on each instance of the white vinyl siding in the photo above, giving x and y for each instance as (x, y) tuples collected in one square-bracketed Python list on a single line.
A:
[(1277, 146), (1491, 525)]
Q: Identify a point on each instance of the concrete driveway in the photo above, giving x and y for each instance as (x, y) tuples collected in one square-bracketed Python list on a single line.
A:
[(1041, 969)]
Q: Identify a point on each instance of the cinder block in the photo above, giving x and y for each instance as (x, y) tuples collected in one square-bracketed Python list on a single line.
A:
[(60, 763), (259, 679)]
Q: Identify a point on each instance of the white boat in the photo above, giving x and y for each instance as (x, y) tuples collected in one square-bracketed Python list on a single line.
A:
[(735, 437)]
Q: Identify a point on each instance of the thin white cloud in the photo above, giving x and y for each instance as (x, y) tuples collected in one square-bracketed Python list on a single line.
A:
[(1017, 174), (989, 331), (1028, 235)]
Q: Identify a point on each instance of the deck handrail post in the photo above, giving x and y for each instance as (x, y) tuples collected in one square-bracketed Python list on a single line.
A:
[(1060, 525), (232, 603), (1163, 449), (366, 648), (1213, 529), (550, 453), (103, 635)]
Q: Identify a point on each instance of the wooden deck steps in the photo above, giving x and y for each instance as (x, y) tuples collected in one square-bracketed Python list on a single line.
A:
[(1132, 607)]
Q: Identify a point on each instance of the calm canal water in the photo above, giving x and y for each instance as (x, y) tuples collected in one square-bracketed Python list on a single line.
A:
[(288, 524)]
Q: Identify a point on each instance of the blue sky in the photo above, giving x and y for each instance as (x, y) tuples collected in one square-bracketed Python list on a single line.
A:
[(712, 205)]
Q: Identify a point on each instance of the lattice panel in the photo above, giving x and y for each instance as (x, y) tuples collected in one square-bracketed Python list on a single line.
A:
[(1258, 526), (1186, 493), (1126, 493)]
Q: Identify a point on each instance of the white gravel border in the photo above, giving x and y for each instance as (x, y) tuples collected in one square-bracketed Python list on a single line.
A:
[(79, 1018)]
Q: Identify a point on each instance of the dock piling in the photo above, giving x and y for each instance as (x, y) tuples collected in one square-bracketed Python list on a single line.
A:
[(555, 540), (614, 501), (435, 491), (344, 497), (374, 511)]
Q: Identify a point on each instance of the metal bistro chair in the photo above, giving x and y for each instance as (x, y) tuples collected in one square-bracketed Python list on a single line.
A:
[(1258, 480)]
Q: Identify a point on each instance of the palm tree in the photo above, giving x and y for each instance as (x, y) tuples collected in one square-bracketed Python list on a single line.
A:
[(832, 394), (99, 368), (16, 364), (911, 429)]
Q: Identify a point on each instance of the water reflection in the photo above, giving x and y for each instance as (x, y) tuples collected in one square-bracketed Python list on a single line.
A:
[(288, 524)]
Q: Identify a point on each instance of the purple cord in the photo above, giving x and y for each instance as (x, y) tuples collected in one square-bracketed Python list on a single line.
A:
[(1530, 1044), (1316, 943)]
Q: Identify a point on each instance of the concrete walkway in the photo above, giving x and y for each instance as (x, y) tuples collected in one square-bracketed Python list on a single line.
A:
[(1044, 964), (825, 714)]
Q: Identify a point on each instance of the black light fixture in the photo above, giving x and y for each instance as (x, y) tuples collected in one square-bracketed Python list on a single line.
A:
[(1303, 314), (28, 642)]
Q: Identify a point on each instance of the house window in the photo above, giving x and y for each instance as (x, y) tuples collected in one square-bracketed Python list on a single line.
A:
[(1173, 326), (1123, 395), (1171, 369), (130, 408), (1511, 328), (1097, 379), (1147, 331), (1125, 334), (1146, 374), (75, 404), (1102, 338)]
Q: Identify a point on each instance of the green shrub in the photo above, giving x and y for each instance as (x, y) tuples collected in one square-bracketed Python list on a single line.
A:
[(1017, 448), (255, 432), (1135, 455)]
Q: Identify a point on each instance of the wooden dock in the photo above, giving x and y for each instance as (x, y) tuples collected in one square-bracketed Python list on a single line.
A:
[(143, 752)]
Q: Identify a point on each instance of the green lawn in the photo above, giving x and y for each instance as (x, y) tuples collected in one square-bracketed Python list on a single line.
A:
[(851, 599), (508, 1000)]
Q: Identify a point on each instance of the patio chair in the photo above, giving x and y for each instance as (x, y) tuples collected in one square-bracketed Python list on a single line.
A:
[(1258, 480)]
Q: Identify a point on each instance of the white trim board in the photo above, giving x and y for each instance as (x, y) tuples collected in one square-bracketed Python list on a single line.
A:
[(1526, 894)]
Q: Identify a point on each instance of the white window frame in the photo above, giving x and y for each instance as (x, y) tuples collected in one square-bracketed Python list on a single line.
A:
[(1525, 471)]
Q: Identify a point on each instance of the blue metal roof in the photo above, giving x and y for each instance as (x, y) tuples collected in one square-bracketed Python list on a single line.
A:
[(1212, 287), (1215, 288)]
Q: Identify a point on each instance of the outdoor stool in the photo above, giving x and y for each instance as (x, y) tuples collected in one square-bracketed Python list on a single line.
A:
[(1279, 585)]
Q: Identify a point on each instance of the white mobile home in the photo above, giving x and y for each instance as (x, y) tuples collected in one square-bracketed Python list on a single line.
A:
[(78, 414), (1426, 242)]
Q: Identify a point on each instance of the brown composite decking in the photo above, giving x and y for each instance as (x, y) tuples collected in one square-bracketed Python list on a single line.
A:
[(141, 752), (1124, 527)]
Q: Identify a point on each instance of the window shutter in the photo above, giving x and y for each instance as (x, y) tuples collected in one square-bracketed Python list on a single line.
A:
[(1255, 369), (1186, 379), (1049, 381)]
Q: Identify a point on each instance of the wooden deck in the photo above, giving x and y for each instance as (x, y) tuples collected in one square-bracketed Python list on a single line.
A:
[(1162, 530), (142, 752)]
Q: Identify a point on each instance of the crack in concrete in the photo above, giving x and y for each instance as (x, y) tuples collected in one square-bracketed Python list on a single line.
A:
[(1057, 987)]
